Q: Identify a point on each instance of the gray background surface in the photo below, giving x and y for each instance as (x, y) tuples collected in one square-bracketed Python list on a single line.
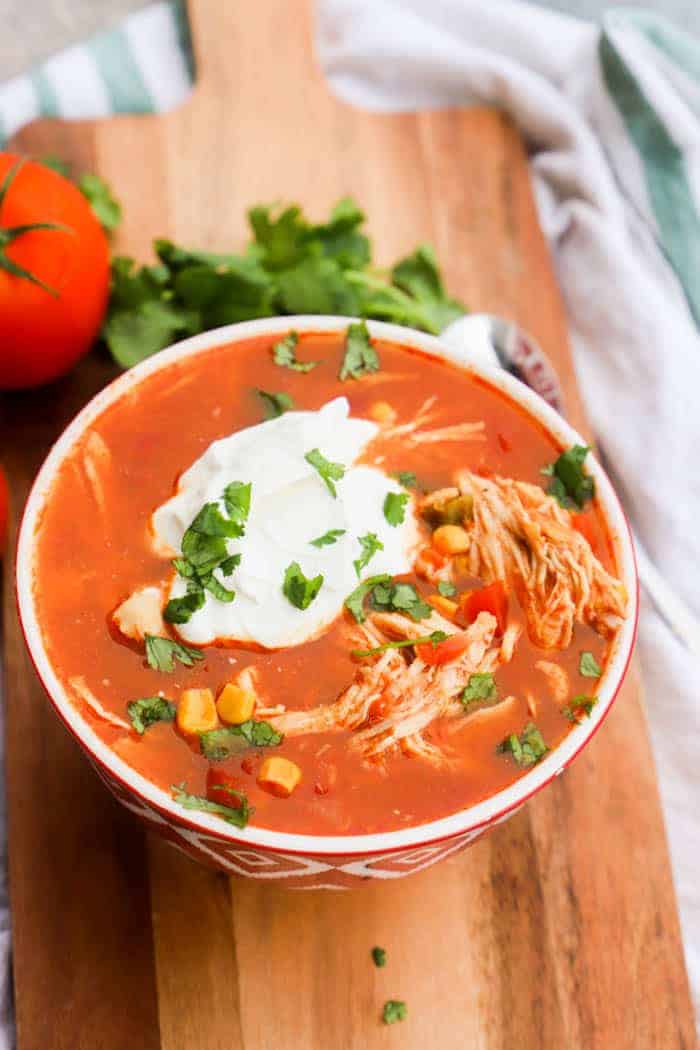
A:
[(33, 29)]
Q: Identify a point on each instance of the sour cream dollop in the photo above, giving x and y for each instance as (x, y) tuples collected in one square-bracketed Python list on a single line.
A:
[(290, 507)]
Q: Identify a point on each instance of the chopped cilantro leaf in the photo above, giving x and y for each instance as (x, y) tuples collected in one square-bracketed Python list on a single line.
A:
[(219, 744), (210, 522), (149, 710), (217, 589), (298, 588), (579, 707), (588, 666), (406, 478), (570, 485), (236, 815), (434, 638), (329, 472), (370, 544), (229, 564), (180, 610), (237, 499), (395, 507), (526, 749), (105, 207), (275, 404), (379, 956), (481, 686), (394, 1010), (161, 653), (328, 538), (360, 357), (355, 600), (284, 354), (446, 588), (400, 597)]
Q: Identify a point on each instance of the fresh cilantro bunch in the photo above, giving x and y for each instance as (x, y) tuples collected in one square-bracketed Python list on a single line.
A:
[(290, 266)]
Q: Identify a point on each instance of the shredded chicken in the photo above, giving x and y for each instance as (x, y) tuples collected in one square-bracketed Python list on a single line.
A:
[(79, 686), (557, 679), (411, 695), (414, 433), (522, 535), (97, 459), (140, 614)]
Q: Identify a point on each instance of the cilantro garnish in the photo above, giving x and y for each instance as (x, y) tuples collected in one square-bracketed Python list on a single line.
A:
[(355, 600), (446, 588), (149, 710), (328, 538), (434, 638), (570, 485), (298, 588), (290, 266), (406, 478), (379, 956), (400, 597), (370, 544), (275, 404), (395, 507), (481, 686), (588, 666), (526, 749), (394, 1010), (329, 472), (284, 354), (360, 357), (218, 744), (236, 815), (579, 707), (161, 653), (204, 549), (97, 192)]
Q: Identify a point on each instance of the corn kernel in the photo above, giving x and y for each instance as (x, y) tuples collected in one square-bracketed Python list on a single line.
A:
[(279, 776), (451, 539), (443, 605), (382, 412), (196, 711), (234, 704)]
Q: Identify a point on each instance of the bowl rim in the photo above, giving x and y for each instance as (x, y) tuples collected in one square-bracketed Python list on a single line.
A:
[(464, 821)]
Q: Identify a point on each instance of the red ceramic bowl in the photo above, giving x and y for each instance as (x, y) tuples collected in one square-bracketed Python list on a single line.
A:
[(314, 861)]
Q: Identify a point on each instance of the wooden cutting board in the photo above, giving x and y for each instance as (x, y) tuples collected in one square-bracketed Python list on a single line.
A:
[(559, 930)]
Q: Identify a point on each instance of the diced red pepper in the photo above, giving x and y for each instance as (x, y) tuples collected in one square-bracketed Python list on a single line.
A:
[(221, 787), (443, 652), (492, 599)]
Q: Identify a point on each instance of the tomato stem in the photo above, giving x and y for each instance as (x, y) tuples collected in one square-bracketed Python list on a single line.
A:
[(9, 234)]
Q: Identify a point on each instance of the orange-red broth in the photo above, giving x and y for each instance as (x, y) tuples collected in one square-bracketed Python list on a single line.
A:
[(86, 568)]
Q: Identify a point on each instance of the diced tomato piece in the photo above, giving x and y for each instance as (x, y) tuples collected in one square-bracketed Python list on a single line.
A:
[(584, 524), (445, 651), (503, 443), (220, 788), (492, 599), (249, 763)]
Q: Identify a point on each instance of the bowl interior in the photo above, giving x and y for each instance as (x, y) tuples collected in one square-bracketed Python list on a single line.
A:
[(490, 810)]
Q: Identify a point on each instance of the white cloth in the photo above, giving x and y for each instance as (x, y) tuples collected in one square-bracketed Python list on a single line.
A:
[(636, 344)]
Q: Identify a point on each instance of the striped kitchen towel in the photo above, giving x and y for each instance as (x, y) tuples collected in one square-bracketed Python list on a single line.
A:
[(143, 66)]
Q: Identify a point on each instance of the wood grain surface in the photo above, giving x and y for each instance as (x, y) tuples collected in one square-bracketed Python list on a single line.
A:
[(559, 929)]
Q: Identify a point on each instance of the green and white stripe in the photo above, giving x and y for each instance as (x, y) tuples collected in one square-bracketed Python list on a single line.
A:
[(144, 66)]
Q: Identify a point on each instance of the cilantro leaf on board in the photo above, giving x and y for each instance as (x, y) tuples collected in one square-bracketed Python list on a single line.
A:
[(379, 956), (394, 1010)]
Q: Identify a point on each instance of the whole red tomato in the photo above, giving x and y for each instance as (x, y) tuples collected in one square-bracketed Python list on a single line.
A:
[(4, 511), (54, 274)]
